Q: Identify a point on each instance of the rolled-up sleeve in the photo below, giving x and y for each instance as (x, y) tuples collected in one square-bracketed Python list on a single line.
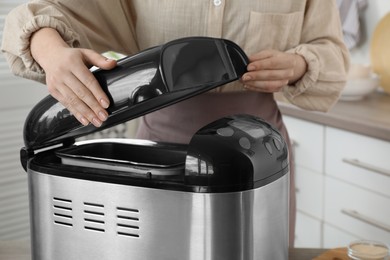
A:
[(326, 56), (99, 25), (20, 24)]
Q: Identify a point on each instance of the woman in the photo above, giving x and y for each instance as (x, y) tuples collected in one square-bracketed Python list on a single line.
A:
[(295, 47)]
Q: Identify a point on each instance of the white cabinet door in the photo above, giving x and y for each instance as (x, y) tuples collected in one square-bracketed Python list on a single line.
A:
[(308, 143), (309, 192), (308, 153), (307, 231), (335, 237), (358, 211), (357, 159)]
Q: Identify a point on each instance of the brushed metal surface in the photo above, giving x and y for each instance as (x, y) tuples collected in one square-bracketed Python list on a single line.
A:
[(79, 219), (21, 250)]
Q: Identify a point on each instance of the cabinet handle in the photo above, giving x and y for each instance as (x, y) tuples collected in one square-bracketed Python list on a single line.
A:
[(356, 215), (357, 163)]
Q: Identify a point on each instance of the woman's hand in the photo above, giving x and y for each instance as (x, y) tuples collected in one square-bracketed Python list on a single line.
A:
[(271, 70), (68, 78)]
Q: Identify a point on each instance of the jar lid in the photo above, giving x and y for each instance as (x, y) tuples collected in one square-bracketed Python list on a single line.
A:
[(368, 250)]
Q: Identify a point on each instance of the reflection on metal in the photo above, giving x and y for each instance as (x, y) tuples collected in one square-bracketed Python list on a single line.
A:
[(196, 166)]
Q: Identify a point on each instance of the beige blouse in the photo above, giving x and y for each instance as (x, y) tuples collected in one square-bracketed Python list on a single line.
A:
[(310, 28)]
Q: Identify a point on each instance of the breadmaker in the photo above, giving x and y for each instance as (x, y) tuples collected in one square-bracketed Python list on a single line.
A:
[(222, 196)]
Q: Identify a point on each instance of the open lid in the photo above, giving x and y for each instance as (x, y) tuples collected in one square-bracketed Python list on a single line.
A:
[(142, 83)]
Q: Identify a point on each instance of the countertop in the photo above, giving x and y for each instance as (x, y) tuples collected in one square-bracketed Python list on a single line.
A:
[(369, 116), (20, 250)]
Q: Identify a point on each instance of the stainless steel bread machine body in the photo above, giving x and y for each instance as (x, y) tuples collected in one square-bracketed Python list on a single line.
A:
[(222, 196)]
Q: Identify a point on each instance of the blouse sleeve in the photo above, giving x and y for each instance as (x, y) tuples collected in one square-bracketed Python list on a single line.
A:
[(326, 56), (100, 25)]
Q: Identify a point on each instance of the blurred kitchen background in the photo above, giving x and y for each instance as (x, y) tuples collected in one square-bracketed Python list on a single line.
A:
[(318, 185)]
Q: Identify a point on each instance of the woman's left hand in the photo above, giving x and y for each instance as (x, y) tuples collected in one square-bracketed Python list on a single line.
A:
[(271, 70)]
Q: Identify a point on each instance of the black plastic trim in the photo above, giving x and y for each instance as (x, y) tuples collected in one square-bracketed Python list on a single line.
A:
[(49, 164)]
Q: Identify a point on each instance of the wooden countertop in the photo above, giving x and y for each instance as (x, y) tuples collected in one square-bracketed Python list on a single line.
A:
[(369, 116), (20, 250)]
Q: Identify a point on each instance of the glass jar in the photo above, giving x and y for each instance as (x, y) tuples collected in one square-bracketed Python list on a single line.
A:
[(368, 250)]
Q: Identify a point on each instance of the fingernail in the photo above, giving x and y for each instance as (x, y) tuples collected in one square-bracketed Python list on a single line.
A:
[(251, 67), (246, 77), (84, 121), (102, 116), (109, 60), (104, 103), (96, 122)]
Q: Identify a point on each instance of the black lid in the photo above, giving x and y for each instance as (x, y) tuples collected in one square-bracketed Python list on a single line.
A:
[(142, 83), (235, 153)]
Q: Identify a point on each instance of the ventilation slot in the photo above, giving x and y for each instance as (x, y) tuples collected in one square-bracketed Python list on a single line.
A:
[(62, 212), (128, 222), (94, 217)]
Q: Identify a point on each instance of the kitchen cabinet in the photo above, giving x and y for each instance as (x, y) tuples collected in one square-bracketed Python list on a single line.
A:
[(361, 160), (308, 153), (308, 143), (308, 231), (359, 211), (309, 192), (357, 184), (334, 237), (342, 181)]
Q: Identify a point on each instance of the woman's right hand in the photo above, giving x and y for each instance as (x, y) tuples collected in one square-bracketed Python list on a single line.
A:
[(68, 78)]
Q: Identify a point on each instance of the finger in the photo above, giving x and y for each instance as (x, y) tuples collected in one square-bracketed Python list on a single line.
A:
[(266, 86), (265, 75), (58, 96), (273, 63), (269, 74), (66, 96), (53, 86), (95, 59), (85, 95), (91, 57), (87, 79), (77, 107), (265, 54)]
